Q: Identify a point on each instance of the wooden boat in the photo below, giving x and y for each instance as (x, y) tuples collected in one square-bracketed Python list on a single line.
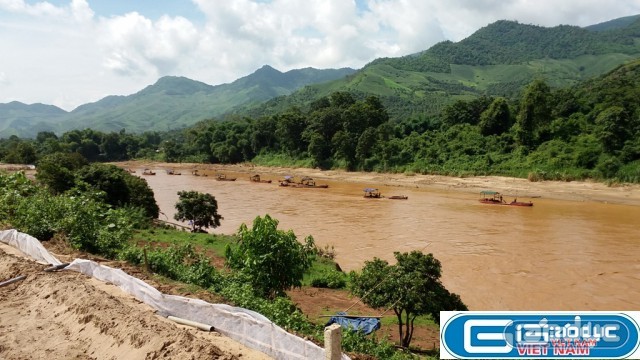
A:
[(371, 193), (173, 172), (495, 198), (287, 181), (308, 182), (256, 178), (398, 197), (223, 177), (515, 202), (148, 172), (131, 171), (196, 173)]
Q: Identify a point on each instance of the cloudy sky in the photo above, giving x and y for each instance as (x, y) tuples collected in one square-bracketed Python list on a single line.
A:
[(70, 52)]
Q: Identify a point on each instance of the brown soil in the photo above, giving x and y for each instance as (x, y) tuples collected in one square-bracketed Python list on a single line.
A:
[(67, 315), (316, 303)]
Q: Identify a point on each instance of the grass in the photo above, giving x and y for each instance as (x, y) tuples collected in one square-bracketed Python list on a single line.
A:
[(216, 244), (281, 160)]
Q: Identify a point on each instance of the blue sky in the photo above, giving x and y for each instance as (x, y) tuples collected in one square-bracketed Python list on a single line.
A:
[(71, 52)]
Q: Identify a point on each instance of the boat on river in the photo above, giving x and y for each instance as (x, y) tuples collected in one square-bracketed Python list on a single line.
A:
[(305, 182), (173, 172), (398, 197), (371, 193), (148, 172), (287, 181), (223, 177), (256, 178), (308, 182), (495, 198)]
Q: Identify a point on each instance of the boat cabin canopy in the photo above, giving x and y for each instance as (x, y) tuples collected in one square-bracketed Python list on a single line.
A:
[(489, 192)]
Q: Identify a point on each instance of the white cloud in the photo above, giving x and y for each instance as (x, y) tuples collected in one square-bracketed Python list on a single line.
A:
[(68, 55), (3, 78)]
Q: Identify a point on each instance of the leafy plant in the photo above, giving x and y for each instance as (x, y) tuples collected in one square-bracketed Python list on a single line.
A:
[(201, 210), (273, 260), (331, 279), (411, 288)]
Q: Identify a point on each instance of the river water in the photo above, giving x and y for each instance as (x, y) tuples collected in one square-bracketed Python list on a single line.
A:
[(556, 255)]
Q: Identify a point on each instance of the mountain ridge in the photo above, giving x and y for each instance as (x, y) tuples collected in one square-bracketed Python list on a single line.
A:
[(497, 60), (171, 102)]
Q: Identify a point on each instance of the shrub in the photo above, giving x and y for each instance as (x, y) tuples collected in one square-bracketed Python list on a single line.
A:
[(330, 279)]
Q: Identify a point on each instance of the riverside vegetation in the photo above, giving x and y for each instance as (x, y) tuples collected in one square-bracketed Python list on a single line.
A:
[(104, 210)]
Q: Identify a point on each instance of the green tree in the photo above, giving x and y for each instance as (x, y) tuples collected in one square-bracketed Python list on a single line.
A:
[(496, 119), (106, 178), (274, 260), (57, 170), (289, 128), (613, 128), (141, 195), (201, 210), (411, 287), (534, 116), (120, 188), (23, 153)]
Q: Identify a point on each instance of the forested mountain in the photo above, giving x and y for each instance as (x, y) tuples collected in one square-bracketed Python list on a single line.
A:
[(170, 103), (614, 24), (17, 118), (499, 59)]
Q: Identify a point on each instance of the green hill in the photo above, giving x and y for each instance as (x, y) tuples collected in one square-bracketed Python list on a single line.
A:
[(17, 118), (614, 24), (498, 59), (170, 103)]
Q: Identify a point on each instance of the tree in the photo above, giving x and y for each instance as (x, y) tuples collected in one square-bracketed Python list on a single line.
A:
[(201, 210), (274, 260), (108, 179), (57, 170), (411, 287), (141, 195), (496, 119), (534, 116), (613, 128), (121, 189)]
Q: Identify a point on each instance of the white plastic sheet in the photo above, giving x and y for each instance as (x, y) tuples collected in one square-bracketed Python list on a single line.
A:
[(245, 326), (29, 246)]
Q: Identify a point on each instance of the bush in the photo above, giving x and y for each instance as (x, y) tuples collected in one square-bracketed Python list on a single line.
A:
[(330, 279), (280, 310), (273, 260), (178, 262), (353, 341)]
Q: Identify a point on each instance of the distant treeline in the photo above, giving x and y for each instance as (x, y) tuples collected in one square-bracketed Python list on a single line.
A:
[(588, 131)]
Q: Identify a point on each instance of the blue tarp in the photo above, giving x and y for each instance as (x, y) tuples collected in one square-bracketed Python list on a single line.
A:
[(366, 325)]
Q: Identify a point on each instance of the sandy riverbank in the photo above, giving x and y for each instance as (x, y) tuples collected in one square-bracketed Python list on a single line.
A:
[(588, 191), (67, 315)]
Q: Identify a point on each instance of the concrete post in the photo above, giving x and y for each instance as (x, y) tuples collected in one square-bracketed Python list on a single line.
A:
[(333, 342)]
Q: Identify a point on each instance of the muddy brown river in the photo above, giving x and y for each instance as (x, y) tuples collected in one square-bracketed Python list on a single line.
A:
[(556, 255)]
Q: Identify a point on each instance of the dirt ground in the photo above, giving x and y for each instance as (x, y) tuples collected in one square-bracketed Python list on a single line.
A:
[(315, 303), (67, 315)]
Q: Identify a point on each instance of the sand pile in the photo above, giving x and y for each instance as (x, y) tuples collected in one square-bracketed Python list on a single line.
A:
[(66, 315)]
